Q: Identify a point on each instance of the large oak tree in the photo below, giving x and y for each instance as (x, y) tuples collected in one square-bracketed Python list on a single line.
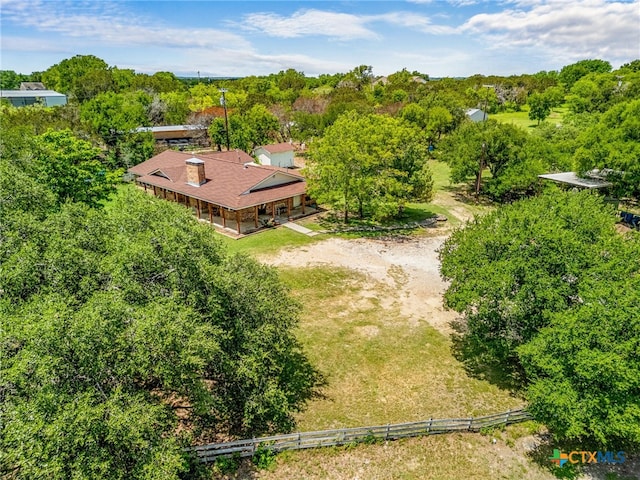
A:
[(369, 165), (548, 290), (128, 333)]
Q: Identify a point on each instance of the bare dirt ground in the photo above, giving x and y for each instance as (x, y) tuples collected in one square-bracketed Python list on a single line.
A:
[(408, 266)]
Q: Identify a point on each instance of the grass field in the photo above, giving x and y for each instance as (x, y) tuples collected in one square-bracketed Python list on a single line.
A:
[(443, 457), (381, 369), (522, 118)]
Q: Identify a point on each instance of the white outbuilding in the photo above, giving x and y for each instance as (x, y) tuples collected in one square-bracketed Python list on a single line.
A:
[(276, 155), (476, 115)]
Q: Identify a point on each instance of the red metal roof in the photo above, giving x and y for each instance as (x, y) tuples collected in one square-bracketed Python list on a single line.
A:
[(233, 180)]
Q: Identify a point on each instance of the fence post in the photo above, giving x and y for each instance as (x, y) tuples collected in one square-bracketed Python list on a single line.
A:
[(429, 426), (506, 419), (470, 423), (298, 440), (253, 446), (386, 435)]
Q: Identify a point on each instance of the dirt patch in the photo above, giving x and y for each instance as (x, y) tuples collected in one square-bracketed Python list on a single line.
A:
[(408, 271)]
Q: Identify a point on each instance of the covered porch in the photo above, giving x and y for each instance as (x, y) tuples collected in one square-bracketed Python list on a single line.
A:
[(243, 221)]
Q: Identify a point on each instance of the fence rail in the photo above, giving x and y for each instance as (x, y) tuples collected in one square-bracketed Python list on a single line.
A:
[(343, 436)]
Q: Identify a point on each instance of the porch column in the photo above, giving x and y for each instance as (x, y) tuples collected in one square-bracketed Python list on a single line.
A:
[(273, 210), (303, 200), (210, 212), (224, 220), (255, 216), (198, 208), (155, 192), (289, 201), (238, 220), (164, 193), (145, 187)]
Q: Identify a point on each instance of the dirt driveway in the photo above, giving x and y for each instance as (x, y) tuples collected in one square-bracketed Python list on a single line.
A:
[(408, 267)]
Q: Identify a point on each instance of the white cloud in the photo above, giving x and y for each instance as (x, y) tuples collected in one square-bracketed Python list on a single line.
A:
[(241, 62), (570, 30), (104, 23), (413, 21), (26, 44), (343, 26), (463, 3)]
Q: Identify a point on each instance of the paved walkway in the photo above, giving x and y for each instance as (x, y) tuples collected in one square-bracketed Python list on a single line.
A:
[(300, 229)]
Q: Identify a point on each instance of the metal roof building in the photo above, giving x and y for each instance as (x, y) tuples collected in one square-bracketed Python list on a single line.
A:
[(23, 98), (573, 180)]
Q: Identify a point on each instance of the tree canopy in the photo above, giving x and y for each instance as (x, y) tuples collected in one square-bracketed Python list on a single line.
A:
[(511, 155), (369, 164), (79, 76), (128, 333), (613, 143), (545, 287)]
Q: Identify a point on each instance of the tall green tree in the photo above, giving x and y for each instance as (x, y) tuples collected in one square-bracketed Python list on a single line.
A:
[(71, 168), (592, 93), (539, 107), (583, 368), (613, 144), (548, 292), (502, 148), (81, 77), (513, 268), (255, 127), (10, 80), (570, 74), (113, 117), (127, 334), (359, 78), (369, 164)]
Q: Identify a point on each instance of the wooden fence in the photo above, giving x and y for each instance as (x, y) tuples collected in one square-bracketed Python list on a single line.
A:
[(344, 436)]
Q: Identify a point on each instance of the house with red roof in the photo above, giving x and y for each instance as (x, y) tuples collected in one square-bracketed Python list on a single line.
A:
[(277, 155), (227, 189)]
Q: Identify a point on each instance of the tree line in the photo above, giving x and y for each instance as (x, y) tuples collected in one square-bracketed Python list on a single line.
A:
[(599, 129)]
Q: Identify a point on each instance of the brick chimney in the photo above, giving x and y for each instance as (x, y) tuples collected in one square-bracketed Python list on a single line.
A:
[(195, 172)]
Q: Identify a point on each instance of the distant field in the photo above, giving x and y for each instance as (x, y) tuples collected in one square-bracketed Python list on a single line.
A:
[(522, 118)]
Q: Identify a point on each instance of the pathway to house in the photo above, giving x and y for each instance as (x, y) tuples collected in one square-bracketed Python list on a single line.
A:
[(300, 229)]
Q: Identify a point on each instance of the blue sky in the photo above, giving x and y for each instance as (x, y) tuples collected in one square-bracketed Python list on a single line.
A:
[(238, 38)]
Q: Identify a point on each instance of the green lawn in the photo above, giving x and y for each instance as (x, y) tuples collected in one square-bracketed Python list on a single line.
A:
[(379, 366), (269, 241), (440, 173), (522, 118)]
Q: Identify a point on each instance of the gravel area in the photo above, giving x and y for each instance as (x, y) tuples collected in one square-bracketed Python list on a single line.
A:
[(407, 267)]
